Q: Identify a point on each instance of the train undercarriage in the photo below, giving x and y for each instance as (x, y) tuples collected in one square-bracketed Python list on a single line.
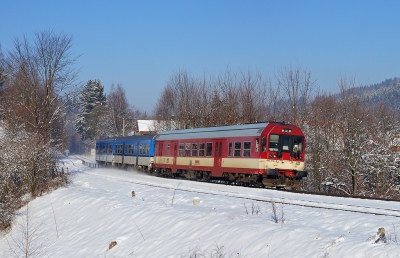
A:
[(274, 179), (231, 178)]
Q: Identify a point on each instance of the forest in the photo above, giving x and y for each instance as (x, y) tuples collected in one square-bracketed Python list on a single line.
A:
[(352, 135)]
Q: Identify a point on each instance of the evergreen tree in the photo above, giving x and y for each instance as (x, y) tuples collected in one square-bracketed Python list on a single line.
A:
[(92, 98)]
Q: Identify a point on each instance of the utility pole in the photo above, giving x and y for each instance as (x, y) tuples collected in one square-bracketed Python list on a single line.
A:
[(123, 126)]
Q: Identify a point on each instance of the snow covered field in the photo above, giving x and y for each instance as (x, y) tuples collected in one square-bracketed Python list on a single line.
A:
[(97, 208)]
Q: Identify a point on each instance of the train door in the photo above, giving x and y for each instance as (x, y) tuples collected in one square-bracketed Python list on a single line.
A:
[(123, 152), (285, 146), (137, 154), (109, 156), (174, 156), (217, 157)]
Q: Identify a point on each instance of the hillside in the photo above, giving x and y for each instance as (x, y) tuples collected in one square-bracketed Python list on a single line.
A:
[(97, 208), (387, 92)]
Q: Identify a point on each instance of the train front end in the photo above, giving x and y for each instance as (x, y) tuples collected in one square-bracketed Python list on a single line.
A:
[(283, 155)]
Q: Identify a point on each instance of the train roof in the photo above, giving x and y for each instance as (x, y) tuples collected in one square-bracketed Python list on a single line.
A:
[(214, 132), (127, 138)]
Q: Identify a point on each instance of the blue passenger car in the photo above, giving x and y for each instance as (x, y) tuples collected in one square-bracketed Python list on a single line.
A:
[(133, 151)]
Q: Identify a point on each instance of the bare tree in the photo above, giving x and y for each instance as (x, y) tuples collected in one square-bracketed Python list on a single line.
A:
[(2, 74), (225, 100), (323, 143), (165, 109), (353, 125), (179, 101), (229, 112), (252, 97), (273, 98), (299, 87), (41, 79), (39, 83), (379, 166), (28, 242), (120, 111)]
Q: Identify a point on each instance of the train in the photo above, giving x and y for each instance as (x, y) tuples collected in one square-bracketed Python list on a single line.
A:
[(260, 154)]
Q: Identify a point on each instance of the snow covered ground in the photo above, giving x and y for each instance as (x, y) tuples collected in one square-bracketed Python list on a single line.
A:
[(97, 208)]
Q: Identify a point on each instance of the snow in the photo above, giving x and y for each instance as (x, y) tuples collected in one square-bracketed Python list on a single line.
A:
[(161, 220)]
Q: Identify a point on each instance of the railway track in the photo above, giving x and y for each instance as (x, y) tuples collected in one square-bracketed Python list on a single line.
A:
[(295, 202), (328, 205)]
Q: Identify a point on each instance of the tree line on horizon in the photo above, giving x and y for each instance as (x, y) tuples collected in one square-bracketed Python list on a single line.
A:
[(352, 137)]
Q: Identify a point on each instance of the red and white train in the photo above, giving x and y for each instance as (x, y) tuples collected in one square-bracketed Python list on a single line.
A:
[(261, 154)]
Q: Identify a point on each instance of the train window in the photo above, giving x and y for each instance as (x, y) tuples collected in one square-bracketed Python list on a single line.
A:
[(145, 149), (103, 149), (285, 143), (257, 143), (238, 148), (97, 149), (274, 142), (181, 145), (246, 149), (209, 149), (194, 149), (298, 144), (118, 149), (201, 149), (109, 149), (230, 150), (175, 150), (187, 149), (264, 144), (129, 149), (168, 149)]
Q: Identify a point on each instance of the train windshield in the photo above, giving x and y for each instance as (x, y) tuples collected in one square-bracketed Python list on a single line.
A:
[(286, 143)]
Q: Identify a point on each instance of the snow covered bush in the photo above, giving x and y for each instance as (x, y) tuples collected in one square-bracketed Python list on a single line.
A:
[(26, 167)]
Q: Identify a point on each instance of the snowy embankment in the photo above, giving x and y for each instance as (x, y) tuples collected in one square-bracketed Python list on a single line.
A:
[(97, 208)]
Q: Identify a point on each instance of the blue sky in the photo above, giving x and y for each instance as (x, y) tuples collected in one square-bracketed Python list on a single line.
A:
[(141, 44)]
